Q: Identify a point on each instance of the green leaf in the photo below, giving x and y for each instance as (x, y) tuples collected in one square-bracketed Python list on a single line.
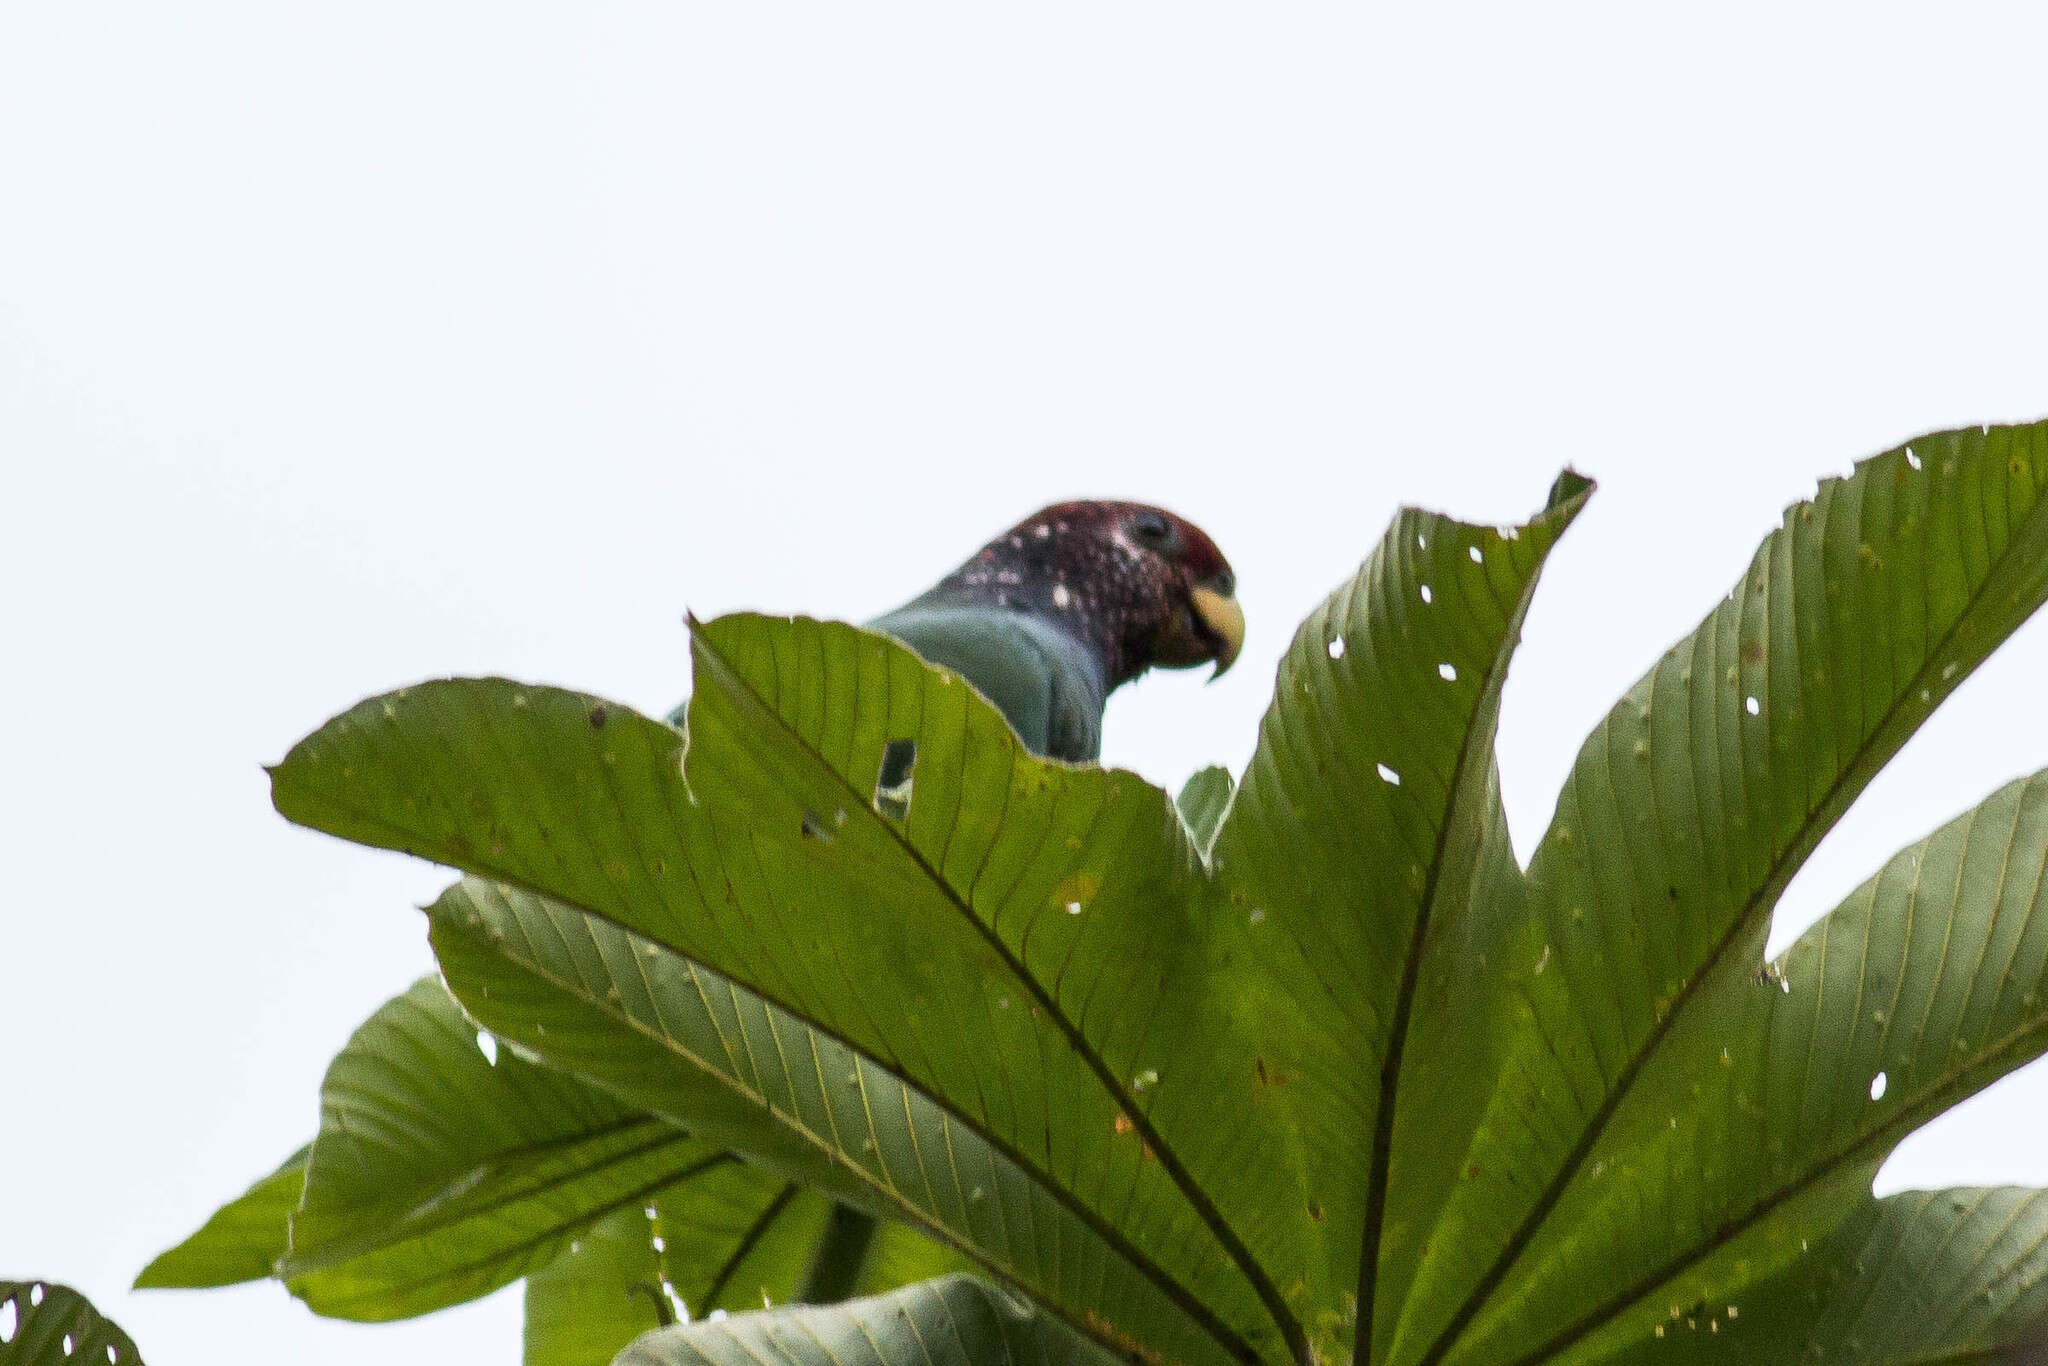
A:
[(1928, 1278), (438, 1176), (1202, 802), (1689, 810), (956, 1321), (1368, 829), (243, 1240), (674, 1038), (1769, 1108), (603, 1291), (45, 1324)]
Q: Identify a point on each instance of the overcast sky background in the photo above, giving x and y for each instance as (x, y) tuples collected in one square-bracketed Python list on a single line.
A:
[(348, 345)]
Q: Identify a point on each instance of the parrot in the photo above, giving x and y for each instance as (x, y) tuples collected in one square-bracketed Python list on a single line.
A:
[(1046, 621), (1073, 602)]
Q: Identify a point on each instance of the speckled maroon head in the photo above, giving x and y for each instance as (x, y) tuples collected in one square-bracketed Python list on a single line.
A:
[(1136, 583)]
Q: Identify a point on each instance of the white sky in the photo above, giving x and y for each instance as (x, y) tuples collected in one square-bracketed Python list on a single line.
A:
[(346, 345)]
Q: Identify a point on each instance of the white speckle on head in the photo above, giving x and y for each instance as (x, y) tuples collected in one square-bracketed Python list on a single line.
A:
[(1041, 531), (1009, 576), (1061, 598), (1123, 544), (1060, 527), (1016, 543)]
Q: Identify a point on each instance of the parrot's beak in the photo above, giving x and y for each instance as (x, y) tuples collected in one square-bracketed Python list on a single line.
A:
[(1225, 619)]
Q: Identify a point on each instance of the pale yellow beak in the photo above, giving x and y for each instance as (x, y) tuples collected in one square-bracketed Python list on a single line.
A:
[(1222, 615)]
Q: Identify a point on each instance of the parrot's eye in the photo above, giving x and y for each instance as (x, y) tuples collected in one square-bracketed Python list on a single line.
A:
[(1153, 530)]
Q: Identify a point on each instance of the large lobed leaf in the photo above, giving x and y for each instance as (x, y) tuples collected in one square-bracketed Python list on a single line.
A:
[(1313, 1063), (1361, 861), (1689, 810)]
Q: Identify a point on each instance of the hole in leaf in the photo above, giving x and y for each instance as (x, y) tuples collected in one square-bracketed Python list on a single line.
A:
[(893, 783), (67, 1344), (814, 829), (112, 1354), (1427, 596), (1336, 647), (487, 1046), (1751, 705), (1073, 908), (35, 1294), (1387, 775), (7, 1320), (1447, 672), (1877, 1085), (1912, 459)]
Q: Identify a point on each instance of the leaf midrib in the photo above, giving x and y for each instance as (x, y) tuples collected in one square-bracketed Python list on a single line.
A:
[(1390, 1066)]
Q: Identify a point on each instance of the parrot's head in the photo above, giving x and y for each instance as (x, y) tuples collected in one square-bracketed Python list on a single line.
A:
[(1146, 587)]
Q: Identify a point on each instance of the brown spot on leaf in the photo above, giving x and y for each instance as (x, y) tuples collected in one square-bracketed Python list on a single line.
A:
[(1123, 1123), (598, 716)]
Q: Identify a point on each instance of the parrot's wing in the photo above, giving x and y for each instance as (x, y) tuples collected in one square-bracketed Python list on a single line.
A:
[(1042, 680)]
